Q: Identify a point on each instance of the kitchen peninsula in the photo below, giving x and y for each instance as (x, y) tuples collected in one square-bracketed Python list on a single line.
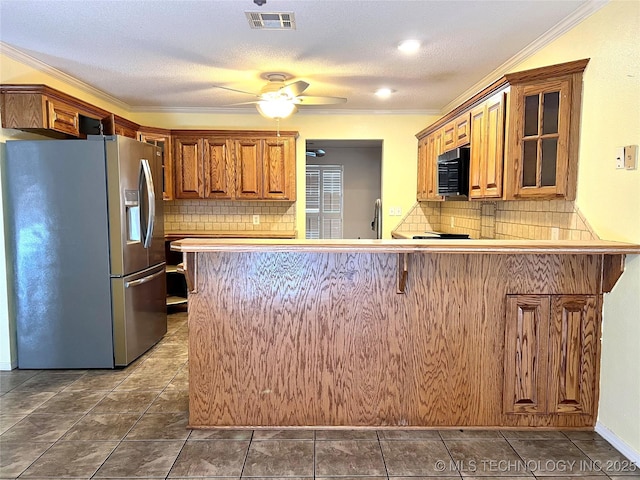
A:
[(414, 333)]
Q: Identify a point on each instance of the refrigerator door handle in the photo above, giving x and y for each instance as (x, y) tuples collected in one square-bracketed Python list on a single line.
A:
[(140, 281), (146, 171)]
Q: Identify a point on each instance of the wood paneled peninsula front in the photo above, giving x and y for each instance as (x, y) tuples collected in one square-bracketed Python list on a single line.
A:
[(412, 333)]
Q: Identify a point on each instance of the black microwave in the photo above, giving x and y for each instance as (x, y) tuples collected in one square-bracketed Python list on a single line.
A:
[(453, 173)]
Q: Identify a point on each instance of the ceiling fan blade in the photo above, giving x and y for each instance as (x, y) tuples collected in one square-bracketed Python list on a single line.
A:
[(234, 90), (243, 103), (310, 100), (294, 89)]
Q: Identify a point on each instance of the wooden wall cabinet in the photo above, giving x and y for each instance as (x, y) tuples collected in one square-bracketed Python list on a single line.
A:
[(487, 148), (429, 148), (50, 112), (235, 167), (423, 145), (62, 117), (203, 168), (249, 162), (161, 138), (551, 352), (456, 133), (529, 151), (125, 127), (544, 130), (278, 168), (218, 168), (264, 168), (38, 112)]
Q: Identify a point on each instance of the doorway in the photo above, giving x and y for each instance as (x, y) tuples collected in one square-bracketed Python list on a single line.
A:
[(343, 182)]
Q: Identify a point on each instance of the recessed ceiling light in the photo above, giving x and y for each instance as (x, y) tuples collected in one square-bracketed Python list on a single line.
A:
[(384, 92), (409, 46)]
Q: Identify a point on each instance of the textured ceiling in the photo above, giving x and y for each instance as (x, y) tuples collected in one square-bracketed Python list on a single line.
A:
[(169, 53)]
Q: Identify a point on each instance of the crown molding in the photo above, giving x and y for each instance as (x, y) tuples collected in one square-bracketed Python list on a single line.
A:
[(248, 111), (40, 66), (569, 22)]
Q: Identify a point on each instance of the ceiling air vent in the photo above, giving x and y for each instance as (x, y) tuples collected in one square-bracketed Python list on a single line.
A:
[(271, 21)]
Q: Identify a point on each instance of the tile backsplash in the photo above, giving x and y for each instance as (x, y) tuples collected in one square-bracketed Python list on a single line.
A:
[(423, 217), (209, 215), (518, 219)]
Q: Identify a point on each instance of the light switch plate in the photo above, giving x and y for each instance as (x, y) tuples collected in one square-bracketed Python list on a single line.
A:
[(631, 157), (619, 158)]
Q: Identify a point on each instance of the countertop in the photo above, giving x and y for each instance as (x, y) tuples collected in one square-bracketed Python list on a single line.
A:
[(589, 247), (232, 234)]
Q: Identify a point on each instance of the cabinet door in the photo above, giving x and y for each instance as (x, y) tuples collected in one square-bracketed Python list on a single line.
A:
[(463, 129), (449, 136), (188, 167), (435, 148), (278, 168), (573, 354), (477, 151), (493, 165), (423, 146), (62, 117), (487, 148), (525, 353), (218, 168), (164, 142), (248, 169), (539, 139)]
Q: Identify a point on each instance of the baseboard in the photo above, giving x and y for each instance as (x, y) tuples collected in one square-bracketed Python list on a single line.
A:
[(8, 365), (618, 443)]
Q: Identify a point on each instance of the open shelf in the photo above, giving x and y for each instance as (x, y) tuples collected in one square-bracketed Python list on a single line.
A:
[(176, 283), (173, 300)]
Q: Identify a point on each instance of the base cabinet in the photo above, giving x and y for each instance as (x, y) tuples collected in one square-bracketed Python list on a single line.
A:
[(573, 354), (551, 352)]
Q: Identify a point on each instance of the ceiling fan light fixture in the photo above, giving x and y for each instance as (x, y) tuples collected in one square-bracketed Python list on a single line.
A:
[(383, 92), (277, 108), (409, 46)]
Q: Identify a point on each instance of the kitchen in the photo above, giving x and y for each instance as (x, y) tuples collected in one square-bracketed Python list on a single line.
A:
[(601, 189)]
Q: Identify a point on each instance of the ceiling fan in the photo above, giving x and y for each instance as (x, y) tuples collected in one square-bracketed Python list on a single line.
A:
[(279, 100)]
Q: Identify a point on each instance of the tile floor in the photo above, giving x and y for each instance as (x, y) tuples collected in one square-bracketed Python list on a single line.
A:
[(131, 423)]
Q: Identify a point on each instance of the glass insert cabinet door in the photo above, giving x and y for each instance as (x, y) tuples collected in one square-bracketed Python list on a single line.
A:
[(543, 133)]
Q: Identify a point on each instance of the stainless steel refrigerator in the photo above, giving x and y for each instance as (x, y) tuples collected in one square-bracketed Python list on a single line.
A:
[(84, 227)]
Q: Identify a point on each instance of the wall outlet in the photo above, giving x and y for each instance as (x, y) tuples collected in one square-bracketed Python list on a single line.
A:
[(555, 233), (398, 211), (256, 219), (392, 211)]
